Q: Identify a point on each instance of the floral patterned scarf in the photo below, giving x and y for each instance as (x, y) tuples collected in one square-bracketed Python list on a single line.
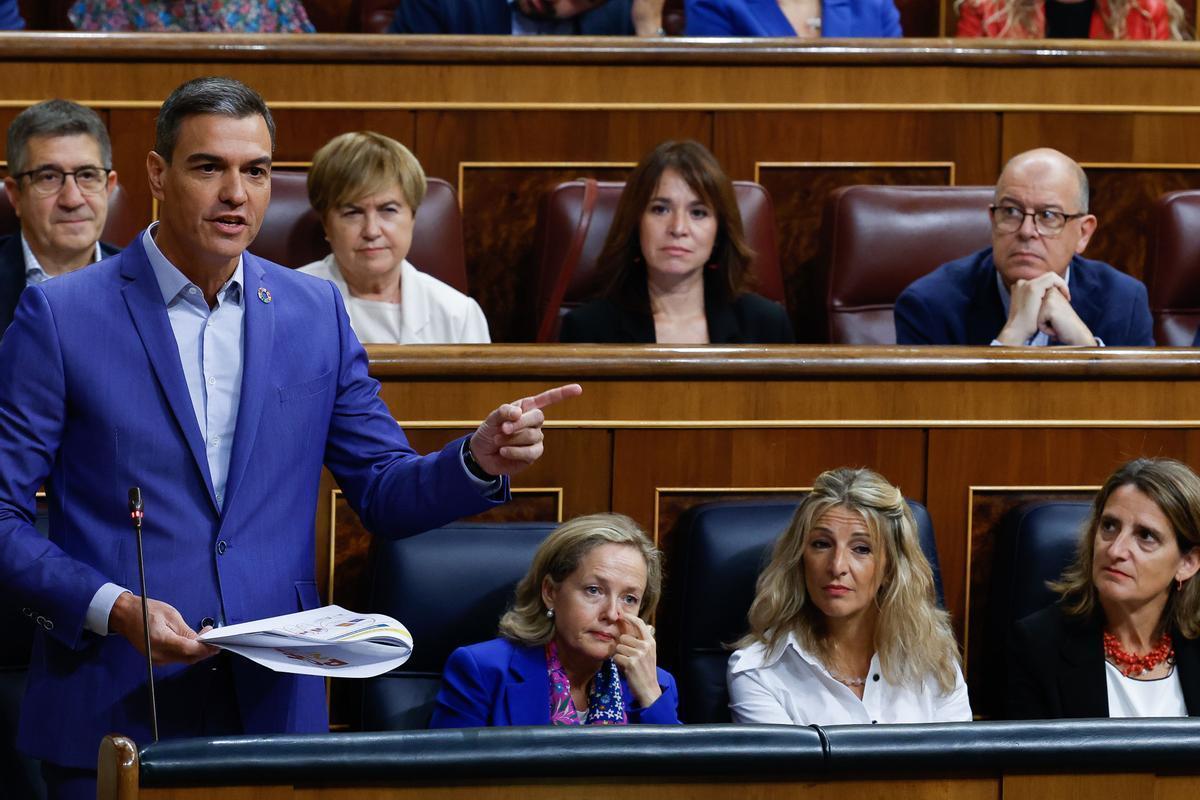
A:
[(605, 703)]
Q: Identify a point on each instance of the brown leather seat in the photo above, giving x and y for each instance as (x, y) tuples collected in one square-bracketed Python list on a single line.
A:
[(573, 222), (876, 240), (120, 227), (292, 233), (1173, 269)]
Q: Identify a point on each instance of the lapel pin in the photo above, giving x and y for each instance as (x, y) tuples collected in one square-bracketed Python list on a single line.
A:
[(263, 294)]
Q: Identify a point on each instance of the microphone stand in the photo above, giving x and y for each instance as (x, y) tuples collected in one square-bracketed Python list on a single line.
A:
[(135, 515)]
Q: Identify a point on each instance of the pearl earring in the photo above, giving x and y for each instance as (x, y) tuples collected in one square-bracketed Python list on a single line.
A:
[(549, 613)]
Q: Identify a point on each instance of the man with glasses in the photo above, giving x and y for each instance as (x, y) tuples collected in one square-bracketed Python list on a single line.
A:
[(1032, 286), (59, 181)]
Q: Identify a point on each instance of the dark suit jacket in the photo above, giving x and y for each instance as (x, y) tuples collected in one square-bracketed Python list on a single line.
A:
[(749, 319), (499, 683), (1056, 668), (839, 18), (12, 275), (614, 18), (959, 303)]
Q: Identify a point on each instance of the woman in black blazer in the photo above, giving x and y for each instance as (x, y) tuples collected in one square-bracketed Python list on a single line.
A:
[(1122, 640), (675, 264)]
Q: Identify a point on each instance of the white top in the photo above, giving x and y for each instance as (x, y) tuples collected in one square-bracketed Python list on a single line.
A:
[(429, 311), (1132, 698), (792, 687)]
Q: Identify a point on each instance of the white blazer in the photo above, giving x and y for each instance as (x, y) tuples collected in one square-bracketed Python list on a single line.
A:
[(431, 312)]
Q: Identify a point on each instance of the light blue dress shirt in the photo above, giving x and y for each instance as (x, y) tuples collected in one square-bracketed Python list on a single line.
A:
[(210, 351)]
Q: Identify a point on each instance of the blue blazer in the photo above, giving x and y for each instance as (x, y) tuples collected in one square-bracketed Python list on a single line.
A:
[(12, 275), (10, 16), (93, 400), (613, 18), (876, 19), (959, 303), (499, 683)]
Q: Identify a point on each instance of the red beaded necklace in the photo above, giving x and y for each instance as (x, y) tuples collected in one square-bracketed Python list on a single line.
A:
[(1133, 665)]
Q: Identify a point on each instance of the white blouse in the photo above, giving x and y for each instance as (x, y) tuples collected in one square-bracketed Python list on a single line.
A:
[(429, 311), (1132, 698), (792, 687)]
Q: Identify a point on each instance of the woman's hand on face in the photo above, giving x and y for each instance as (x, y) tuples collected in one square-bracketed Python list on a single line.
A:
[(637, 656)]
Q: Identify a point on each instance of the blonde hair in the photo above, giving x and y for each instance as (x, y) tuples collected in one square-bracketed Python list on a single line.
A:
[(1020, 17), (912, 636), (559, 555), (354, 165), (1175, 489)]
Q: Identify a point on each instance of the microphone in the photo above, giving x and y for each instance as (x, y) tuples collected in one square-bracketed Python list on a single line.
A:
[(135, 515)]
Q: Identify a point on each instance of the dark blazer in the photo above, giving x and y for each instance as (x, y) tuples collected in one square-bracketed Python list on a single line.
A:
[(749, 319), (959, 303), (499, 683), (839, 18), (12, 274), (10, 16), (614, 18), (1056, 668)]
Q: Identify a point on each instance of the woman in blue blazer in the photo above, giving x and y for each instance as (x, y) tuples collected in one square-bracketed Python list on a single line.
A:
[(875, 19), (573, 648)]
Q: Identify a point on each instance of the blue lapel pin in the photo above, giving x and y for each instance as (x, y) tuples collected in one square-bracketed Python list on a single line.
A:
[(263, 294)]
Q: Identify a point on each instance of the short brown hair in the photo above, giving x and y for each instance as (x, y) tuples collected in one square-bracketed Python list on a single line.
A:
[(354, 165), (559, 555), (1175, 489), (621, 269)]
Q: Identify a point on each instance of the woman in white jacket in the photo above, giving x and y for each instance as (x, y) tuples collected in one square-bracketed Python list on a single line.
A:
[(366, 187)]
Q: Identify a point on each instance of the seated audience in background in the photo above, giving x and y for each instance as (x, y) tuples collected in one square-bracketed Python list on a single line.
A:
[(573, 649), (208, 16), (10, 16), (1122, 639), (367, 188), (845, 626), (60, 178), (807, 19), (531, 17), (1031, 287), (675, 266), (1072, 19)]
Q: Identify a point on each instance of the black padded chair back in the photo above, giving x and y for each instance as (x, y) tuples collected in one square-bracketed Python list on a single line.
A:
[(1033, 545), (449, 586), (719, 549)]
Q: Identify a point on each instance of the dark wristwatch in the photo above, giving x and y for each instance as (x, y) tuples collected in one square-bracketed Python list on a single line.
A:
[(474, 466)]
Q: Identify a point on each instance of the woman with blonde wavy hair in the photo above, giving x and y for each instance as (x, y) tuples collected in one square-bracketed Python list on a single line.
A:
[(573, 649), (1124, 638), (1072, 19), (845, 626)]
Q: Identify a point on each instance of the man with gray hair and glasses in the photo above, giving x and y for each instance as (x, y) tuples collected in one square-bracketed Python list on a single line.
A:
[(1032, 286), (59, 181)]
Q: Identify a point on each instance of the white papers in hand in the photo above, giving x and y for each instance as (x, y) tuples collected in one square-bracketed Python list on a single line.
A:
[(328, 641)]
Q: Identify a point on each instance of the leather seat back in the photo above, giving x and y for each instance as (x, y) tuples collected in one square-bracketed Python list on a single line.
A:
[(1173, 269)]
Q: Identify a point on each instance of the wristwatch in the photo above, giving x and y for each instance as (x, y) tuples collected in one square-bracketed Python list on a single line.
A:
[(474, 466)]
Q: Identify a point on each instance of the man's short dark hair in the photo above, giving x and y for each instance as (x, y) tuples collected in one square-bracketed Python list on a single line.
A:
[(55, 118), (225, 97)]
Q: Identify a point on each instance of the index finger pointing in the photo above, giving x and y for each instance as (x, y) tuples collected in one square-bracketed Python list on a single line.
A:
[(551, 396)]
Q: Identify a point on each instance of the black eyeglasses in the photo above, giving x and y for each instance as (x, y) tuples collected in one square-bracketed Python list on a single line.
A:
[(48, 180), (1009, 219)]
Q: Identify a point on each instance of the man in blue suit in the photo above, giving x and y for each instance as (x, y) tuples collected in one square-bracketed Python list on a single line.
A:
[(1031, 287), (60, 180), (219, 384), (556, 17)]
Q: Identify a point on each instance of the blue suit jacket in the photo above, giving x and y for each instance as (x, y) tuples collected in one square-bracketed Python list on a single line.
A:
[(959, 303), (12, 275), (10, 16), (498, 683), (839, 18), (494, 17), (93, 400)]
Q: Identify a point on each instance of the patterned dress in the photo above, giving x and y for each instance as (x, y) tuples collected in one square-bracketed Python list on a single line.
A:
[(219, 16)]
